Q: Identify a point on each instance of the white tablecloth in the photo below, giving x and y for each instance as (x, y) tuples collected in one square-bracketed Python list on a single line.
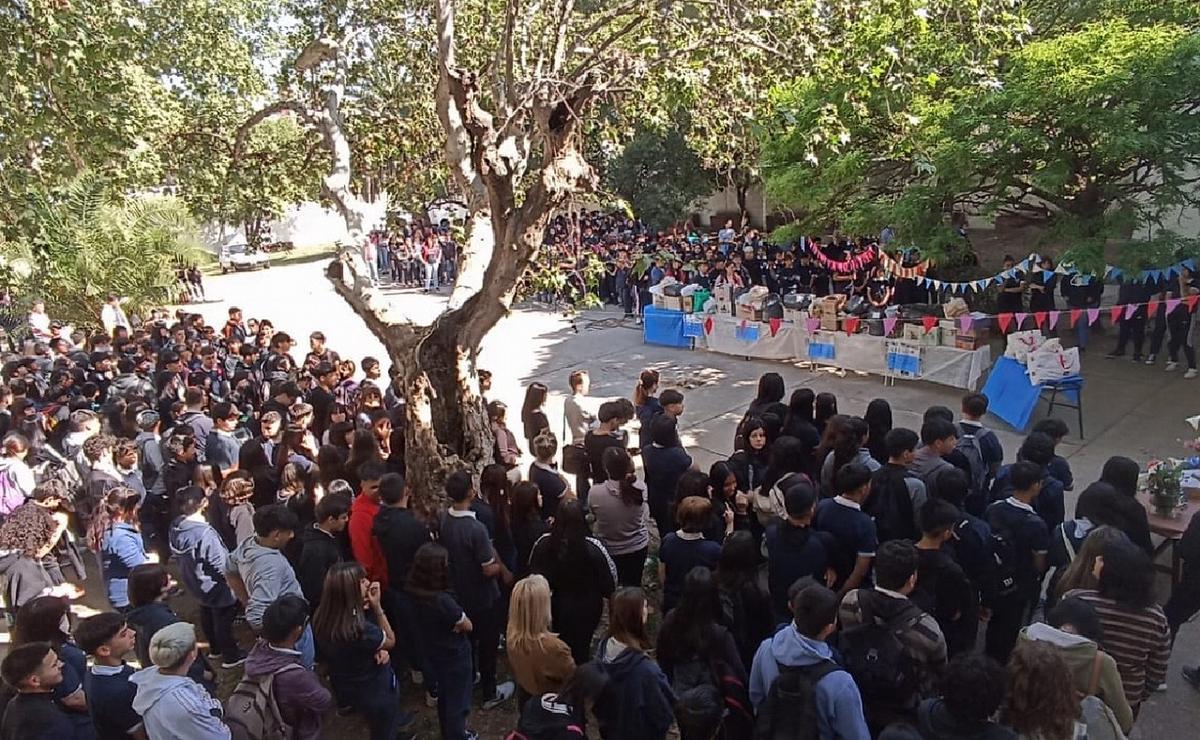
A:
[(960, 368)]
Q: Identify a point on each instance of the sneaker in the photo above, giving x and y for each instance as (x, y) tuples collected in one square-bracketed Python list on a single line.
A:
[(1151, 359), (1159, 688), (1191, 373), (1137, 358), (1114, 355), (503, 693), (1191, 675), (1171, 366), (233, 661)]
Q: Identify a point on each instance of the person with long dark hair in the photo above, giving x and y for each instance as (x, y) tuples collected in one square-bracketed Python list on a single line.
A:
[(824, 408), (799, 419), (1122, 474), (533, 416), (745, 604), (527, 524), (638, 702), (749, 463), (768, 398), (622, 515), (354, 637), (581, 575), (725, 496), (879, 422), (849, 446), (646, 404), (789, 460), (495, 492), (115, 536)]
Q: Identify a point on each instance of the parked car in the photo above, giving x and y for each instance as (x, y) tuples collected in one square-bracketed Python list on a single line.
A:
[(239, 257)]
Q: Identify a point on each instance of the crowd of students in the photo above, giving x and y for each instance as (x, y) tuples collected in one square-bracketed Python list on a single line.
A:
[(835, 577)]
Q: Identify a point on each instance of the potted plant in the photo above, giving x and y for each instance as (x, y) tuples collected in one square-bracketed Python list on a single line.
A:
[(1162, 481)]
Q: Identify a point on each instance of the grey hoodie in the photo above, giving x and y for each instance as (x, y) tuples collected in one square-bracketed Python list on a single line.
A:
[(928, 466), (176, 707), (267, 575)]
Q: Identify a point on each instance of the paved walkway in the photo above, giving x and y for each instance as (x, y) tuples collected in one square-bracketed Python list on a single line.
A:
[(1129, 409)]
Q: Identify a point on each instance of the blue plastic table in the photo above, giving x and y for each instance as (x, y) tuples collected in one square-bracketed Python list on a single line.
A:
[(665, 327), (1013, 398)]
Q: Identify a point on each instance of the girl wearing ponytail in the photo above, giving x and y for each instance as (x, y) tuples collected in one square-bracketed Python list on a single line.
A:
[(115, 536)]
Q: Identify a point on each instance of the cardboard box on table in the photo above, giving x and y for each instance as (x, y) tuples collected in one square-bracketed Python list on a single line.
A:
[(796, 317), (828, 310), (948, 329), (749, 312), (916, 333), (674, 303), (659, 300)]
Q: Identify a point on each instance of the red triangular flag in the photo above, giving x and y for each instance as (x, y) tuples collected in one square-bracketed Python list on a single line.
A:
[(1005, 320), (708, 325), (850, 325), (1075, 314), (1116, 312), (1152, 307), (775, 324), (1039, 318), (1191, 301), (929, 322)]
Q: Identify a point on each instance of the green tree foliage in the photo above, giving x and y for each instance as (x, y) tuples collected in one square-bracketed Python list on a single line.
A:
[(659, 176), (86, 242)]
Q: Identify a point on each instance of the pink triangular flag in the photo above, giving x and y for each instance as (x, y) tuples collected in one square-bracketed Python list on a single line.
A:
[(1054, 319), (1130, 310), (964, 323), (889, 325), (1093, 314), (1172, 304), (812, 325), (1021, 319)]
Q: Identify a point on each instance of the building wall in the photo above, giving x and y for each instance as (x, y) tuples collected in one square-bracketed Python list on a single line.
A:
[(305, 224)]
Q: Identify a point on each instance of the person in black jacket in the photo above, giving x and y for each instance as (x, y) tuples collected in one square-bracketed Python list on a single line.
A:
[(638, 702), (321, 546), (1133, 328), (665, 461), (1083, 292), (1122, 474), (749, 464), (943, 589)]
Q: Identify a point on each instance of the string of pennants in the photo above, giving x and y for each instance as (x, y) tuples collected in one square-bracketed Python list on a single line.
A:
[(1025, 266), (749, 330)]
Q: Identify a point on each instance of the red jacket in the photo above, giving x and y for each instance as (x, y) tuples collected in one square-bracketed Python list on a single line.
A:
[(363, 543)]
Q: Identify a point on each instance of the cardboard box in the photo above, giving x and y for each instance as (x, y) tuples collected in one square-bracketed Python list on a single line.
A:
[(686, 304), (979, 330), (673, 303), (796, 317), (660, 300), (748, 312), (971, 343), (916, 333), (948, 328)]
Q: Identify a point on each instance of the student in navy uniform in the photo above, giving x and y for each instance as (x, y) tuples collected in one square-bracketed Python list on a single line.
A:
[(106, 637), (854, 531), (971, 547), (685, 549), (1016, 520), (1057, 430), (794, 549), (34, 670), (943, 589), (1050, 505)]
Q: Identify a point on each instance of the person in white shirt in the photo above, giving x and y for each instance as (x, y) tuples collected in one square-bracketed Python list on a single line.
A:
[(112, 315), (39, 322), (578, 420)]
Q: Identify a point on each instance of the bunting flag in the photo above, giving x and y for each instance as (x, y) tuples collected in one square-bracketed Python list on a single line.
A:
[(964, 323), (850, 325), (1116, 312), (1005, 321), (929, 322), (708, 325), (889, 325), (1093, 315), (847, 266), (1021, 319), (894, 266), (812, 325), (1130, 310), (775, 324), (1075, 314), (1054, 319), (1192, 301), (1172, 304), (1039, 318)]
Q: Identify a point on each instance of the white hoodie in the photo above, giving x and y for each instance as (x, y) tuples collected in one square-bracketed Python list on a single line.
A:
[(176, 707)]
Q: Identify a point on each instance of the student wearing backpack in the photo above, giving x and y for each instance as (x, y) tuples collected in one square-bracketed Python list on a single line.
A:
[(851, 529), (943, 589), (897, 495), (798, 691), (694, 650), (973, 690), (638, 702), (974, 408), (1056, 429), (1020, 540), (938, 439), (1051, 504), (894, 650), (277, 679), (795, 550), (562, 715)]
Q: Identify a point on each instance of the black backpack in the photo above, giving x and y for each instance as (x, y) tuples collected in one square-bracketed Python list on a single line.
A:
[(874, 655), (1005, 561), (789, 712), (891, 506), (692, 673), (545, 718)]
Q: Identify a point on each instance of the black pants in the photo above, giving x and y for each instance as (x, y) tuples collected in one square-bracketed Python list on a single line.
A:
[(575, 618), (1185, 599), (1009, 615), (1131, 331), (217, 623), (485, 643), (1158, 333), (1179, 339), (630, 567)]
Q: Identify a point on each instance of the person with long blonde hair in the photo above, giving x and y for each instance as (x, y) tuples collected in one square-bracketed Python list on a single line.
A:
[(541, 663)]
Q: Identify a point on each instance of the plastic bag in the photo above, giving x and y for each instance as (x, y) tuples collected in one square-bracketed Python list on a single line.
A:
[(1052, 362), (1021, 343)]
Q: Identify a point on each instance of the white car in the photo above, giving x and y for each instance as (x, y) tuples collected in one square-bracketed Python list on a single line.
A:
[(236, 257)]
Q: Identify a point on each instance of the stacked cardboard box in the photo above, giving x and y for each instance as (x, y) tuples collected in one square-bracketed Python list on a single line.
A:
[(917, 333)]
